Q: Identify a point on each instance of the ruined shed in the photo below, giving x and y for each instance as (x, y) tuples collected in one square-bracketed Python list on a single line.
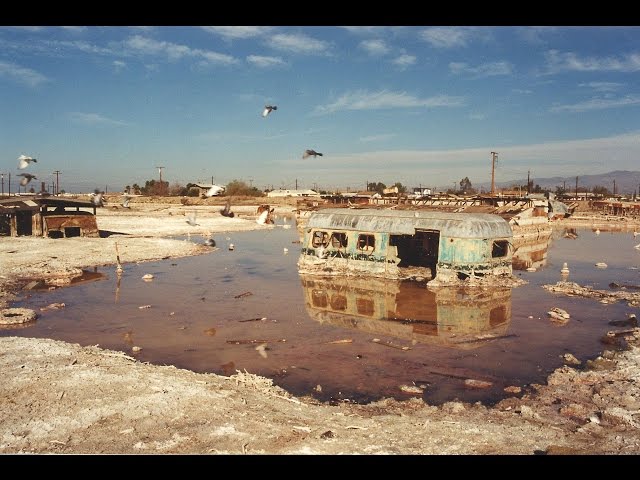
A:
[(406, 244), (52, 217)]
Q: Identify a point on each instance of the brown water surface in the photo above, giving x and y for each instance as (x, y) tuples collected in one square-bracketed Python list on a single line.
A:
[(341, 339)]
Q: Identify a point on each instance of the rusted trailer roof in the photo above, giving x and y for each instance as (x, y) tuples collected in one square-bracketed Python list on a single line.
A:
[(13, 204), (399, 222)]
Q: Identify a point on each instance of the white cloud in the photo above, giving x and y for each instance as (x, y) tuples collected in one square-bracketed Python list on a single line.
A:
[(119, 65), (364, 30), (75, 29), (262, 61), (446, 37), (30, 28), (365, 100), (298, 43), (536, 35), (377, 138), (80, 45), (569, 61), (94, 119), (602, 86), (476, 116), (149, 46), (21, 74), (375, 47), (442, 167), (404, 60), (599, 104), (483, 70), (522, 91), (238, 31)]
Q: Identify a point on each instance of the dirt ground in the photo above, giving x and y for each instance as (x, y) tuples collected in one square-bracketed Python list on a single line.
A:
[(57, 397)]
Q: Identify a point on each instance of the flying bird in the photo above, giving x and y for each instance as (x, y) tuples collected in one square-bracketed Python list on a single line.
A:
[(26, 178), (265, 217), (24, 161), (97, 199), (226, 211), (192, 219), (268, 109), (125, 200), (310, 153)]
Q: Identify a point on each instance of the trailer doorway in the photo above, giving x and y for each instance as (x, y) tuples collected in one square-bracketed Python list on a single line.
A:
[(419, 250)]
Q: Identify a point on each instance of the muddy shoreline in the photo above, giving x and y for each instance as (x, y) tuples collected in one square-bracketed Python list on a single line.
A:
[(60, 397)]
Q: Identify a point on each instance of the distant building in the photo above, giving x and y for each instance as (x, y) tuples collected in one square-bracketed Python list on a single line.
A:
[(293, 193), (209, 189), (421, 191)]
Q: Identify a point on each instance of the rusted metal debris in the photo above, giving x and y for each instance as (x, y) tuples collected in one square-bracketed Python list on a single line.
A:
[(253, 319), (252, 341), (244, 294)]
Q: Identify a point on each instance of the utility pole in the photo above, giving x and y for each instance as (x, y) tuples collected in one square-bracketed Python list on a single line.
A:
[(494, 157), (57, 174), (576, 188), (528, 181), (614, 187), (161, 189), (2, 175)]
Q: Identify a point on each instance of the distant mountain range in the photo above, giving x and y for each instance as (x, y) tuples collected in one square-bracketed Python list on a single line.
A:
[(626, 182)]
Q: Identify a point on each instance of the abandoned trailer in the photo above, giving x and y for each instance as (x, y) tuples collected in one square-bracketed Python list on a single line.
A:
[(441, 247), (51, 217)]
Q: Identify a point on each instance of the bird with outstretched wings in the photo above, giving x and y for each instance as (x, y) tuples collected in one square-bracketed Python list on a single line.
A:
[(310, 153)]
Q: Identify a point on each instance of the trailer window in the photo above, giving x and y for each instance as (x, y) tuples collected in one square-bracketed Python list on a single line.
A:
[(320, 239), (366, 243), (500, 248), (339, 240)]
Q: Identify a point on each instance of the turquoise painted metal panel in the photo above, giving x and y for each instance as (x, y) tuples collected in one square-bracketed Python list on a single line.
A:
[(459, 250)]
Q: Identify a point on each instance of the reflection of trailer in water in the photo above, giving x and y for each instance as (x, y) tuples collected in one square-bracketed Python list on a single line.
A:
[(406, 244), (452, 317)]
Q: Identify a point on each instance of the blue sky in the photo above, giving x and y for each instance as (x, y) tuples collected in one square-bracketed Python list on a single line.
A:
[(420, 105)]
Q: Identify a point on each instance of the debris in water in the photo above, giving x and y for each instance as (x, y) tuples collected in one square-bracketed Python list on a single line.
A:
[(413, 389), (558, 315), (473, 383), (389, 344), (53, 306), (147, 277), (262, 350)]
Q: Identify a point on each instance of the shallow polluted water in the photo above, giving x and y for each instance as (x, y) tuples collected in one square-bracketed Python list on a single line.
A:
[(247, 308)]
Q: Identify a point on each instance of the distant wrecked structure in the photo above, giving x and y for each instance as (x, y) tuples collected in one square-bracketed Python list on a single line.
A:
[(47, 216)]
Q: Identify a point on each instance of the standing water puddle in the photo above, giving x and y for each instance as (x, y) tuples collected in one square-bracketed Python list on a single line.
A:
[(343, 339)]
